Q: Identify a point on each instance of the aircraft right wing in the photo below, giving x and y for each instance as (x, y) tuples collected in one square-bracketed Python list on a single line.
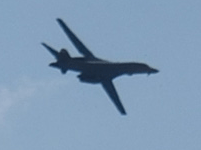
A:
[(76, 42), (110, 89)]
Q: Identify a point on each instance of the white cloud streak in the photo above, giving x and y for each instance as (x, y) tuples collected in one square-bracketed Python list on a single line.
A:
[(27, 88), (9, 97)]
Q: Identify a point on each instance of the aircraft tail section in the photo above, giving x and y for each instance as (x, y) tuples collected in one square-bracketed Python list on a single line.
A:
[(62, 58), (63, 54), (54, 52), (63, 68)]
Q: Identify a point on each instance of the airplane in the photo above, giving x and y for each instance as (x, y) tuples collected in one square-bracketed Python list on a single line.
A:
[(93, 69)]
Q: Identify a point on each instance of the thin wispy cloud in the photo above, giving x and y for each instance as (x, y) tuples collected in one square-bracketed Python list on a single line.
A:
[(25, 90), (9, 98)]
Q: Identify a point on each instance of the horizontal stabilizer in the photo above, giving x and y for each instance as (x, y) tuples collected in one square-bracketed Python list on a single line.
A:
[(51, 50), (56, 65)]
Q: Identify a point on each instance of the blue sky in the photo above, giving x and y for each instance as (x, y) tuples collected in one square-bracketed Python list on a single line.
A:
[(42, 109)]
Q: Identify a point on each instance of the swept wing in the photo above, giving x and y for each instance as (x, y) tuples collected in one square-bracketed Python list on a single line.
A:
[(110, 89), (76, 42)]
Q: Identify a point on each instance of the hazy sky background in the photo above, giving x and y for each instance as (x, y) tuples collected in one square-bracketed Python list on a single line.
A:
[(42, 109)]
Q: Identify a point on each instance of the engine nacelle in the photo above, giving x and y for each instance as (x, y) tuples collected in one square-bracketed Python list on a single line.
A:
[(89, 79)]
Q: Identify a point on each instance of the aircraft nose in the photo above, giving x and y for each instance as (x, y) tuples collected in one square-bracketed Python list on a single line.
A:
[(154, 70)]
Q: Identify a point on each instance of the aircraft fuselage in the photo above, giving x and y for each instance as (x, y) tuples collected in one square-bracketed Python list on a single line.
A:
[(101, 69)]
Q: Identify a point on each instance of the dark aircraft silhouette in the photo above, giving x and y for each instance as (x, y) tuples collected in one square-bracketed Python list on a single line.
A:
[(93, 69)]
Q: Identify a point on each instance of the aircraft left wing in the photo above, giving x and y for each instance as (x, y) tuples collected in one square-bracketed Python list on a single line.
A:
[(110, 89), (76, 42)]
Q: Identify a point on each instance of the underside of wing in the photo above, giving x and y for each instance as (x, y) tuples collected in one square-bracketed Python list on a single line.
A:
[(110, 89), (76, 42), (51, 50)]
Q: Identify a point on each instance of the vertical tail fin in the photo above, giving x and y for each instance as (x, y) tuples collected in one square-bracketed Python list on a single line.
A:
[(62, 58)]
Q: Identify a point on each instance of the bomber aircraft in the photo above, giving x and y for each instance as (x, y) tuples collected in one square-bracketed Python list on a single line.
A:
[(93, 69)]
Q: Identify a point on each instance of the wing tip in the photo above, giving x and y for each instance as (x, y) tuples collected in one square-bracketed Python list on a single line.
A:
[(60, 21), (123, 112), (42, 43)]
